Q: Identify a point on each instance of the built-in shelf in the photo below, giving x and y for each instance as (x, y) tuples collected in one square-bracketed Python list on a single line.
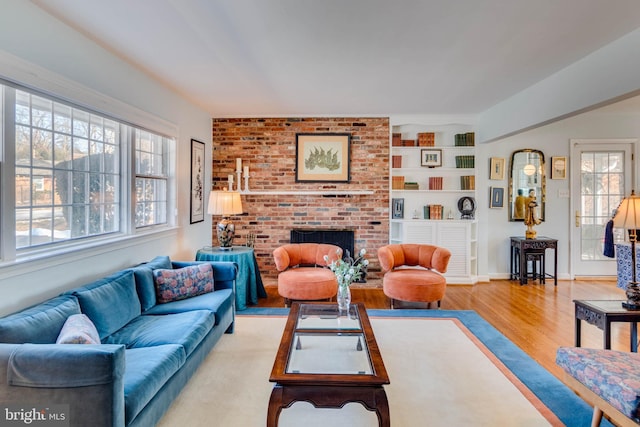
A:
[(309, 193)]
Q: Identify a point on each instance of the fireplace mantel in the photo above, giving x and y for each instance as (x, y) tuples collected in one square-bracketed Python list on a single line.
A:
[(309, 193)]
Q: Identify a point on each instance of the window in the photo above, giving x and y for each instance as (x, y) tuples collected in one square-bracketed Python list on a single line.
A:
[(151, 178), (73, 173)]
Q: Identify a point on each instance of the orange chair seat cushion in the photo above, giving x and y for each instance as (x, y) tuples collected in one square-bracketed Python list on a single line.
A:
[(307, 283), (416, 285)]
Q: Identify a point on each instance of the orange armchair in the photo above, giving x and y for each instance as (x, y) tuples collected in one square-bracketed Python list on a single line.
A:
[(413, 272), (304, 275)]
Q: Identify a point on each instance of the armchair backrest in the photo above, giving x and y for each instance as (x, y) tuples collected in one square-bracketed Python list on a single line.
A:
[(412, 254), (295, 254)]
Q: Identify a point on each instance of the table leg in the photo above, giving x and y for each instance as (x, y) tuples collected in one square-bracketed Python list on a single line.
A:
[(555, 266), (578, 336), (607, 334), (634, 337), (523, 267), (275, 406)]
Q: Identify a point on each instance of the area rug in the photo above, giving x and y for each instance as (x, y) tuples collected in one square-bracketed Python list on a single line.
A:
[(447, 368)]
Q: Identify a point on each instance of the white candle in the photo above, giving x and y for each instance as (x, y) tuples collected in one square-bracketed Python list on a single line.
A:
[(238, 164), (230, 177), (246, 171)]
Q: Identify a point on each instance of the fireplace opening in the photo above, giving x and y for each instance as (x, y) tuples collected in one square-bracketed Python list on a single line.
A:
[(343, 238)]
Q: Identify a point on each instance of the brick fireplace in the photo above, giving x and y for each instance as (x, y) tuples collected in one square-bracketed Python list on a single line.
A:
[(268, 147)]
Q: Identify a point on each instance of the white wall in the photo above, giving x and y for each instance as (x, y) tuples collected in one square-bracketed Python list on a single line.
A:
[(37, 49), (552, 140)]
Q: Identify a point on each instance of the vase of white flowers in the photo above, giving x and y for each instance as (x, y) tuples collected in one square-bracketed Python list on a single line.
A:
[(347, 271)]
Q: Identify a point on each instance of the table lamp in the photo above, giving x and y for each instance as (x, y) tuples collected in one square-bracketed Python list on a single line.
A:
[(628, 217), (225, 203)]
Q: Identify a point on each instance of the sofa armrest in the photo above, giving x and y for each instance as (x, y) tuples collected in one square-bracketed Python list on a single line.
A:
[(224, 272), (88, 378)]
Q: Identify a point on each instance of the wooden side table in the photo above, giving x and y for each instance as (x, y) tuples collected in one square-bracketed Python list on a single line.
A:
[(602, 313), (520, 246)]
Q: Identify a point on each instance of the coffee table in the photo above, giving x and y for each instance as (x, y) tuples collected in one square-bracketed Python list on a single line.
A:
[(328, 360)]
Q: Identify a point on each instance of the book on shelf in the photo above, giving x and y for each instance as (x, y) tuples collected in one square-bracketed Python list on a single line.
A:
[(426, 139), (411, 186), (432, 211), (435, 183), (408, 142), (465, 139), (466, 161), (397, 182), (468, 182), (396, 139), (396, 161)]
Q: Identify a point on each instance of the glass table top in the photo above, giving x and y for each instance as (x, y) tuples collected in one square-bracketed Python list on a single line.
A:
[(317, 316)]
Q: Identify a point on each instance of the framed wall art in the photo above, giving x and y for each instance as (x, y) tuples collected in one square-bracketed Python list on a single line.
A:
[(397, 208), (197, 181), (323, 157), (496, 168), (558, 167), (430, 158), (497, 197)]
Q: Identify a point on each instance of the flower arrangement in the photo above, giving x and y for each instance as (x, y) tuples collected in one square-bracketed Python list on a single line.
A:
[(349, 269)]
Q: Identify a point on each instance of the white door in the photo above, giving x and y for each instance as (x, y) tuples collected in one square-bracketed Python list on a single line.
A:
[(601, 176)]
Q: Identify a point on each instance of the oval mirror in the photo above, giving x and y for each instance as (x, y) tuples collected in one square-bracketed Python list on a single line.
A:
[(526, 180)]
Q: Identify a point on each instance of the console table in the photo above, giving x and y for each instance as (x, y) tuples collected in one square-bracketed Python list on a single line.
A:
[(520, 246), (249, 284)]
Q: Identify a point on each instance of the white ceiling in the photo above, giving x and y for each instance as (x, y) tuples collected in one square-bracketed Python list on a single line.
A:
[(349, 57)]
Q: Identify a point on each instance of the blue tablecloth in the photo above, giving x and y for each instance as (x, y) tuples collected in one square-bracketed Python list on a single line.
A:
[(249, 286)]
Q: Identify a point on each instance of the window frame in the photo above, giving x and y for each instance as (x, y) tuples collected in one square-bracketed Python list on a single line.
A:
[(9, 254)]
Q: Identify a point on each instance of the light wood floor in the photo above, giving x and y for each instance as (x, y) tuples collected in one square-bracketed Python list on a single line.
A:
[(537, 318)]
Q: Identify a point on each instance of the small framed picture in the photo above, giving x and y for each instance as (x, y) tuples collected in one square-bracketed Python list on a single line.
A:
[(430, 158), (397, 206), (197, 181), (496, 168), (497, 197), (558, 167)]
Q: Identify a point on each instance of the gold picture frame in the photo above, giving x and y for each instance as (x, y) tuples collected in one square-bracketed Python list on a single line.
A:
[(496, 168), (558, 167), (323, 157)]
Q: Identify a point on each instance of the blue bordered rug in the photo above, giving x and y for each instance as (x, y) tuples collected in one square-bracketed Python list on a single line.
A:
[(564, 403)]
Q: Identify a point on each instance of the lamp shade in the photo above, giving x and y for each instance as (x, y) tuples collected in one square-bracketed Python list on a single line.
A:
[(224, 203), (628, 214)]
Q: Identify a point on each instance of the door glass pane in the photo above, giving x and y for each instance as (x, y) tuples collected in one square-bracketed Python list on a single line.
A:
[(602, 189)]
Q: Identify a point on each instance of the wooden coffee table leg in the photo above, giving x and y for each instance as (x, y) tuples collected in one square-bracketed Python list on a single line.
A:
[(372, 398), (275, 406)]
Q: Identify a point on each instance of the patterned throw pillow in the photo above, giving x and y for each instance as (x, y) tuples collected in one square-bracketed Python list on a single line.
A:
[(181, 283), (78, 329)]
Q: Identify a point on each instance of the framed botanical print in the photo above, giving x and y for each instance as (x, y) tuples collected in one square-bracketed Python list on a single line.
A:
[(197, 181), (496, 168), (323, 157)]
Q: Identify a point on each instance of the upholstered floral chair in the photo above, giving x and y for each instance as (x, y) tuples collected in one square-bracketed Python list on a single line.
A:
[(303, 271), (413, 272)]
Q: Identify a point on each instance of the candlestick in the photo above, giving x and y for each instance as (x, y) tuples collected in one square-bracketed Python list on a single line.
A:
[(238, 165), (246, 179), (239, 173), (246, 171), (230, 178)]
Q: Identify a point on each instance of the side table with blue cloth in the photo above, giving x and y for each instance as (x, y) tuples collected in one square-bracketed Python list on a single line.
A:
[(249, 286), (623, 258)]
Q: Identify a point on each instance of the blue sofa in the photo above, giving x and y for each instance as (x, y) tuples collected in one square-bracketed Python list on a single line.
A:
[(147, 351)]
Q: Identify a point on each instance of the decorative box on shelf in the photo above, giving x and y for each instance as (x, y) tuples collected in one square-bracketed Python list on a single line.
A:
[(426, 139), (411, 186)]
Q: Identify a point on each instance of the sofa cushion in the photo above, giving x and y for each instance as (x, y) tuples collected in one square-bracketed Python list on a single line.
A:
[(111, 302), (144, 280), (78, 329), (39, 324), (181, 283), (612, 375), (147, 370), (186, 329), (218, 302)]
